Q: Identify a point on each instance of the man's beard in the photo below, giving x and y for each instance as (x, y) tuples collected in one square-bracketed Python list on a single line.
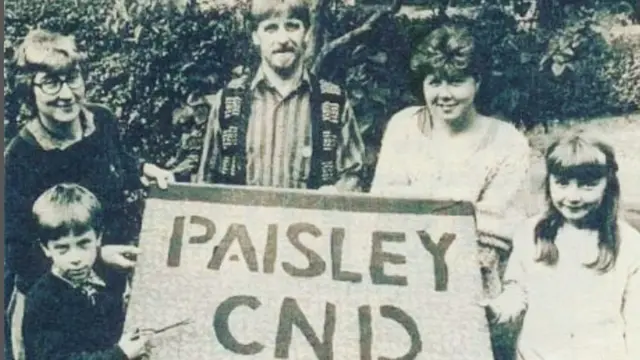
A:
[(289, 71)]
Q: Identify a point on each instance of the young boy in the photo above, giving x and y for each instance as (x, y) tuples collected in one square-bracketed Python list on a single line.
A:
[(70, 312)]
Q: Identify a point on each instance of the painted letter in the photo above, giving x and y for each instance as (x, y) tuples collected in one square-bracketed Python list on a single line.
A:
[(379, 257), (210, 230), (438, 252), (366, 334), (316, 264), (402, 318), (290, 315), (337, 241), (175, 243), (235, 231), (270, 250), (221, 325)]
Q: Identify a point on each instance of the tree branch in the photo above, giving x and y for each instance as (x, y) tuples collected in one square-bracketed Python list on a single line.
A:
[(351, 35), (320, 11)]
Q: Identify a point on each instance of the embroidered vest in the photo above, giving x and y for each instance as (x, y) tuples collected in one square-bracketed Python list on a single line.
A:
[(327, 102)]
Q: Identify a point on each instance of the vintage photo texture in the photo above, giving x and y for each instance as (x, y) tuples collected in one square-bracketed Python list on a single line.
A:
[(330, 179)]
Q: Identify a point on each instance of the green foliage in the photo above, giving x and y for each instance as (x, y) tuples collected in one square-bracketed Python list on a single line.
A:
[(540, 76), (374, 69), (146, 58)]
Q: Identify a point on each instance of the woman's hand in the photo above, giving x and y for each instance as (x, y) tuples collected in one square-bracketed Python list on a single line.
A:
[(162, 177), (120, 256), (507, 306)]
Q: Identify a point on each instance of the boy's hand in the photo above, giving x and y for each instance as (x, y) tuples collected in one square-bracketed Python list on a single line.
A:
[(135, 344), (120, 256)]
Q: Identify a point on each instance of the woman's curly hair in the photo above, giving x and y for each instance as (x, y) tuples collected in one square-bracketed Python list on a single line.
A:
[(448, 52)]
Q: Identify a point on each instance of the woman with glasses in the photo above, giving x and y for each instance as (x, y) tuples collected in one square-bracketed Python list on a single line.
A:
[(67, 140)]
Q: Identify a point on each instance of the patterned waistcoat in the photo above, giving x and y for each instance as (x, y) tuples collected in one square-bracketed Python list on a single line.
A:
[(327, 106)]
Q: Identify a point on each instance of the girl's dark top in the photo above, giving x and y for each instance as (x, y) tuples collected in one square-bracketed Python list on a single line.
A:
[(61, 322), (97, 162)]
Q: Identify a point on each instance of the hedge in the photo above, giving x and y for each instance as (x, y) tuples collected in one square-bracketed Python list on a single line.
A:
[(146, 59)]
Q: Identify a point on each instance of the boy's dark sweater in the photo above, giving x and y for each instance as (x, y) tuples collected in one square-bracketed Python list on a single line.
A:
[(97, 162), (60, 322)]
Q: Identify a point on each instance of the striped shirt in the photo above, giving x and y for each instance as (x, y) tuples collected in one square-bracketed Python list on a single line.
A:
[(278, 144)]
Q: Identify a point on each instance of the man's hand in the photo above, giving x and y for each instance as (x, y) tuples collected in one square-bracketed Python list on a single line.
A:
[(120, 256), (161, 176)]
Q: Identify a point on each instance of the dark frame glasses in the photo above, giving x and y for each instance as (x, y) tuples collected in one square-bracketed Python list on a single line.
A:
[(52, 84)]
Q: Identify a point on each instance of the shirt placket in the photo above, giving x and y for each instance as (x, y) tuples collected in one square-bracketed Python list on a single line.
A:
[(277, 138), (280, 123)]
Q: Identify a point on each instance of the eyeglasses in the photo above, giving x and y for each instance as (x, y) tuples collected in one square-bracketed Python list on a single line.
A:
[(52, 84)]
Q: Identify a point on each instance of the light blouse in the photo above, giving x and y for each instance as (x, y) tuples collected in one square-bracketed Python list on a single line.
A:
[(489, 171), (574, 312)]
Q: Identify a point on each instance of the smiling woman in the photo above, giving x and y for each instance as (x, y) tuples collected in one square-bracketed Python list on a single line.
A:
[(67, 140), (447, 150)]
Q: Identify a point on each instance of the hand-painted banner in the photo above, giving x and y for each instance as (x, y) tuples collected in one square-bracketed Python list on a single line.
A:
[(266, 274)]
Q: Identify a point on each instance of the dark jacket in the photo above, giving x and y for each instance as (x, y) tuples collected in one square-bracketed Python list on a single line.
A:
[(62, 323), (97, 162)]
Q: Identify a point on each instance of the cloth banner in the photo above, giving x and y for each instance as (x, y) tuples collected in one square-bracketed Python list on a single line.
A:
[(285, 274)]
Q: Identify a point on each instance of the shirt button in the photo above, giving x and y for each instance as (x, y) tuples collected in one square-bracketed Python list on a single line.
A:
[(306, 151)]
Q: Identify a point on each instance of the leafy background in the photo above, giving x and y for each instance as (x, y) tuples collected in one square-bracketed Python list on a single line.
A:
[(152, 62)]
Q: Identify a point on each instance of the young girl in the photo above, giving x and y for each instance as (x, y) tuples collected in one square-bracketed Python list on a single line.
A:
[(575, 270)]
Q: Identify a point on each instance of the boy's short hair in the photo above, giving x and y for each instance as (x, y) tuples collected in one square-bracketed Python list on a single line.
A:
[(64, 209), (265, 9)]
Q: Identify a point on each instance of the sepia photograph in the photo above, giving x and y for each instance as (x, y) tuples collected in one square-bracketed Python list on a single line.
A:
[(321, 179)]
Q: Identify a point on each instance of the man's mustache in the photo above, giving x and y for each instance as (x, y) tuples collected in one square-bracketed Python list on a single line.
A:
[(284, 49)]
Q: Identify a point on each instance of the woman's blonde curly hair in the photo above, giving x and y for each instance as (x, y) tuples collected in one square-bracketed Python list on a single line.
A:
[(42, 50)]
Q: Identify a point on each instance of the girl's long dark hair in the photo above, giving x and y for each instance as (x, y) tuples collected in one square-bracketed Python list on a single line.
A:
[(575, 157)]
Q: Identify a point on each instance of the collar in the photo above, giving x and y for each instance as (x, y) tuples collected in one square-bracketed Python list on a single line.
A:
[(48, 142), (93, 279), (261, 79)]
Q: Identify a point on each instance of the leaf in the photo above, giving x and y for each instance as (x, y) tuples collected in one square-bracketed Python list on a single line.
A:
[(137, 32), (238, 71), (379, 58), (359, 50), (357, 93), (377, 96), (525, 58), (558, 69), (568, 51), (186, 67), (544, 60), (559, 59)]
